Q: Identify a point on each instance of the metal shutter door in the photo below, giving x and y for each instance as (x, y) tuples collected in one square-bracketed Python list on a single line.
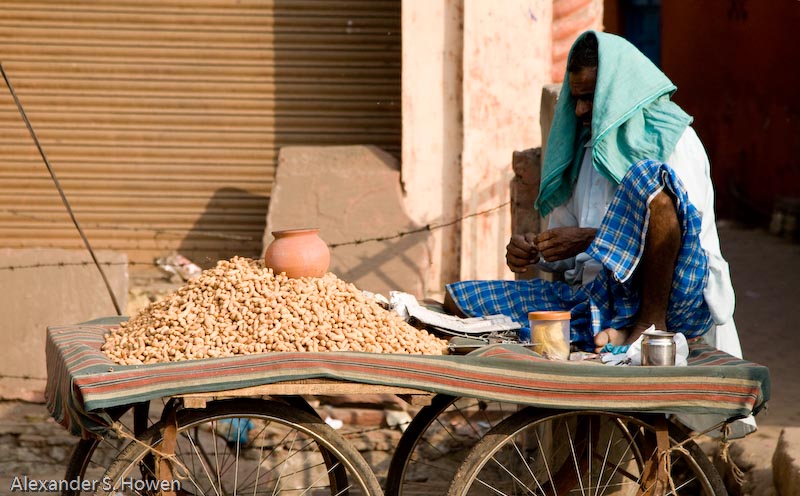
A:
[(163, 119)]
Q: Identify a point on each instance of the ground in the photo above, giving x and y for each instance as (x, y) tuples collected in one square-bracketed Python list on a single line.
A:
[(764, 269)]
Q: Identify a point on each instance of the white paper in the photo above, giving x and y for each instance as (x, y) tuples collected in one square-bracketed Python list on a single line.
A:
[(407, 306), (634, 353)]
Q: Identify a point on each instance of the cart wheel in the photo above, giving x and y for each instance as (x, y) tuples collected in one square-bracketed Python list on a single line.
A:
[(79, 461), (245, 446), (559, 453), (436, 442), (91, 457)]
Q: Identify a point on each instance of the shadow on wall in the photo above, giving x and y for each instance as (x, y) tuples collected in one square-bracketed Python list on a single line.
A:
[(387, 265), (353, 195), (232, 223)]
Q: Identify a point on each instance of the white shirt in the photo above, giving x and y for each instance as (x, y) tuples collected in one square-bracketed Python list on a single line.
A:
[(593, 194), (587, 206)]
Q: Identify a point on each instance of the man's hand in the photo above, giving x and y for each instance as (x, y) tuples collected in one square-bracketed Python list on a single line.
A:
[(564, 242), (521, 252)]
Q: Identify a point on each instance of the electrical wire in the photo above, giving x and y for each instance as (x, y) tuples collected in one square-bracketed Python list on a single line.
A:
[(332, 246), (427, 227), (60, 190)]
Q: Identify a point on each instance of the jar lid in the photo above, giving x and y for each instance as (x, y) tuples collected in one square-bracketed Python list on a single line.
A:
[(659, 334), (549, 315)]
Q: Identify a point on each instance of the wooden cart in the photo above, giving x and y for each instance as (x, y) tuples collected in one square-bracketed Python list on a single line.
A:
[(511, 421)]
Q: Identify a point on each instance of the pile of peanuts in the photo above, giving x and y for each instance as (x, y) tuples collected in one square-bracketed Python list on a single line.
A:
[(240, 307)]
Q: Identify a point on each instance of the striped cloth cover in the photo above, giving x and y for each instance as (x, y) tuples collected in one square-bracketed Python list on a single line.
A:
[(83, 385)]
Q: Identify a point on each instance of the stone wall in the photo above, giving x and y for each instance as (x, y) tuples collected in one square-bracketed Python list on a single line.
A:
[(41, 287)]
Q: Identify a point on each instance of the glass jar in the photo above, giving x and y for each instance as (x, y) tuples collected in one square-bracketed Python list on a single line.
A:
[(550, 333)]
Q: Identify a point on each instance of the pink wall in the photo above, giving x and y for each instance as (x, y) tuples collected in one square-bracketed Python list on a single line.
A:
[(737, 69)]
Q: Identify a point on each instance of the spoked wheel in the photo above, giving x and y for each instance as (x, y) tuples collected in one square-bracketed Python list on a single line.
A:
[(577, 453), (436, 442), (79, 462), (91, 457), (242, 446)]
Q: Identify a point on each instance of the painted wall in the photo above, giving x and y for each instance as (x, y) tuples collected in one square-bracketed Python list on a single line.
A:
[(473, 73), (507, 56), (735, 65), (432, 128), (571, 18)]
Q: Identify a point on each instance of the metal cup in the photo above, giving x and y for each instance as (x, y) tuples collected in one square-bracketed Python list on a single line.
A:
[(658, 348)]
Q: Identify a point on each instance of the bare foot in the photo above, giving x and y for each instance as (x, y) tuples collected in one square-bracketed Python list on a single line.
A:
[(618, 337), (609, 336)]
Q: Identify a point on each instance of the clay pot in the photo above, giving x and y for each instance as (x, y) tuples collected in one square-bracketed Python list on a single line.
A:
[(298, 253)]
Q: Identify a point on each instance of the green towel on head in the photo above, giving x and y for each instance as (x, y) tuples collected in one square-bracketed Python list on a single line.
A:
[(632, 119)]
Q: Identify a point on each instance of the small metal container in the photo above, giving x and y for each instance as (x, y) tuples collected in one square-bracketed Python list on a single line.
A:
[(658, 348)]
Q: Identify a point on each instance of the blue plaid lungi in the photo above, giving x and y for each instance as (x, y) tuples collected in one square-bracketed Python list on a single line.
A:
[(611, 300)]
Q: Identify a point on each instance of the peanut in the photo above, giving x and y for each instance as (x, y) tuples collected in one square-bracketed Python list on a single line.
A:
[(241, 307)]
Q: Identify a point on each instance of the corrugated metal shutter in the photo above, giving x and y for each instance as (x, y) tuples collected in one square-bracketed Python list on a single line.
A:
[(163, 119)]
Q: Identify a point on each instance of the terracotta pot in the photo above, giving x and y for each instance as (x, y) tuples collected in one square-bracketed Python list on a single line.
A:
[(298, 253)]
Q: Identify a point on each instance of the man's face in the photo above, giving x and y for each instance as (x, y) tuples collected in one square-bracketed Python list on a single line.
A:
[(581, 86)]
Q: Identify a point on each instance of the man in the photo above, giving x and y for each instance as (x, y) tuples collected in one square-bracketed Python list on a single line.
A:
[(626, 185)]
